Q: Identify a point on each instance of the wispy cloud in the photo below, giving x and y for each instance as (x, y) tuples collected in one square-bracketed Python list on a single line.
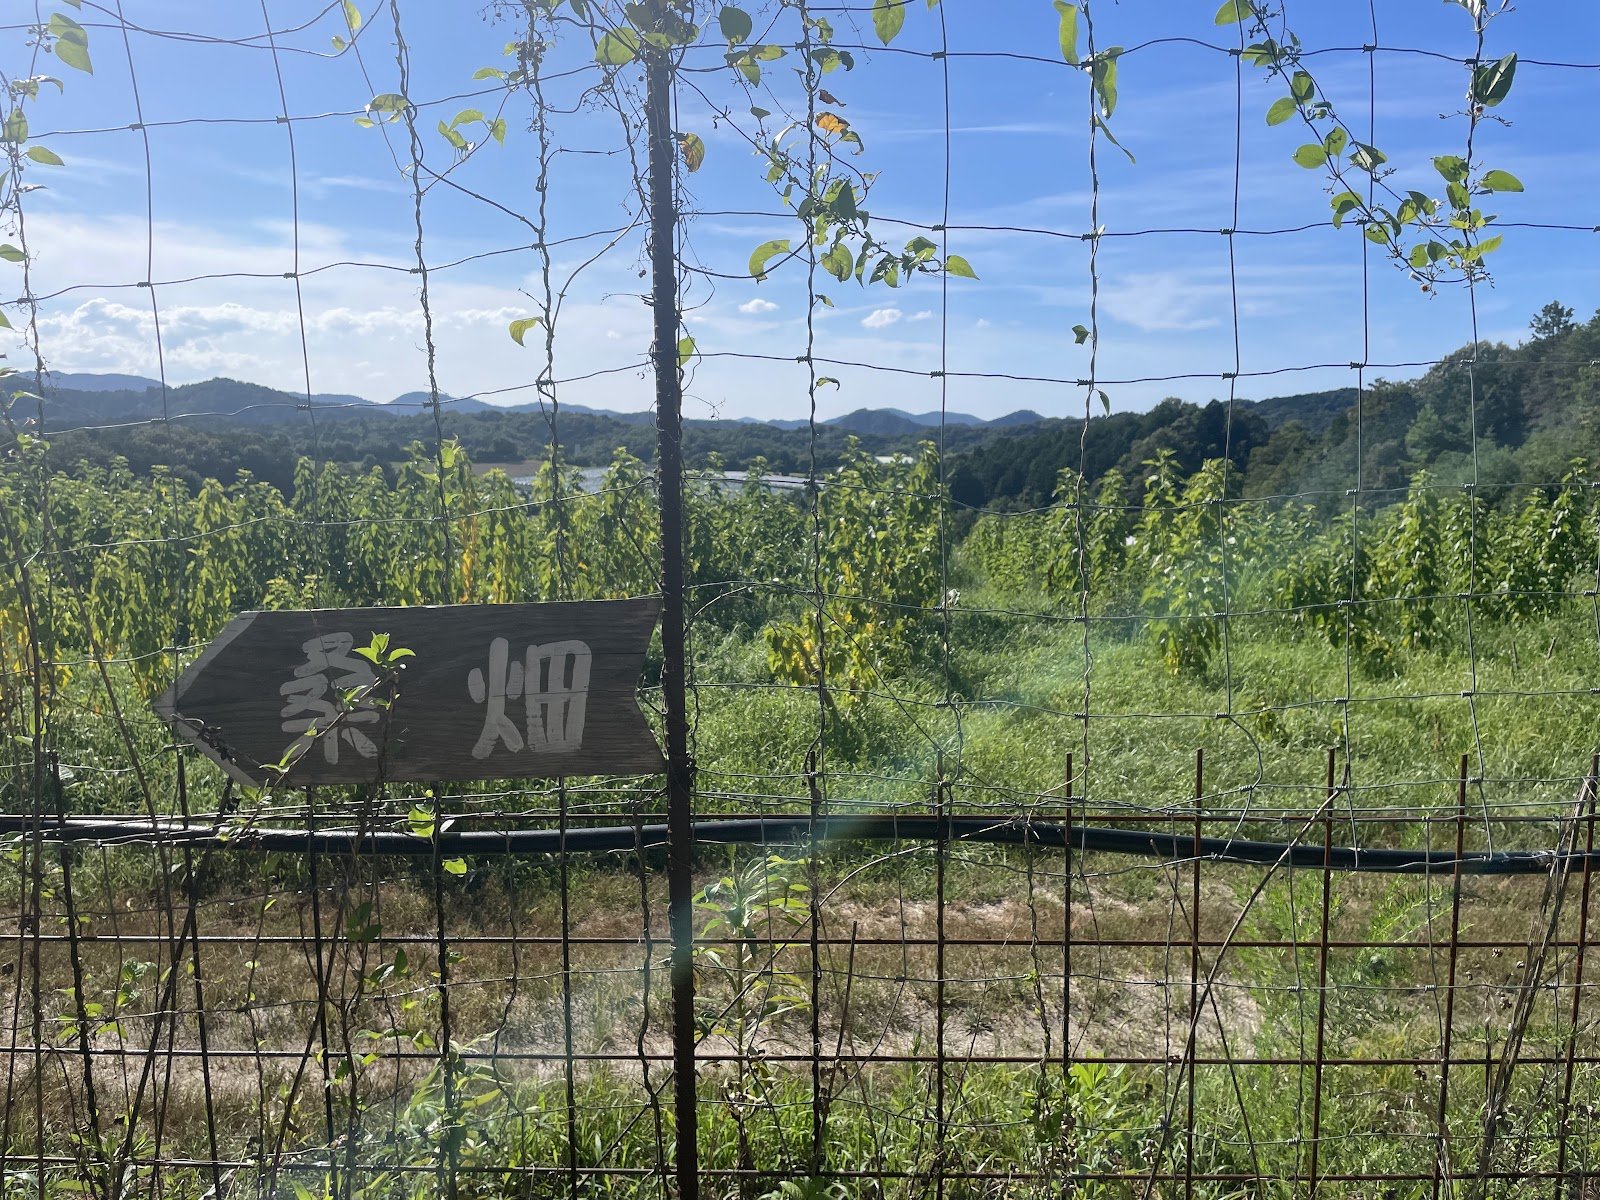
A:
[(882, 318)]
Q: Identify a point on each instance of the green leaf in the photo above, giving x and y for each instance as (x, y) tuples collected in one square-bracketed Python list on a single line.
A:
[(1368, 158), (954, 264), (15, 129), (11, 254), (388, 102), (1452, 167), (489, 73), (5, 322), (1105, 402), (1490, 84), (1069, 30), (765, 253), (1234, 11), (1302, 87), (352, 16), (359, 927), (1282, 109), (685, 350), (618, 48), (451, 136), (1111, 137), (838, 262), (1261, 54), (1342, 205), (1080, 334), (1311, 156), (519, 328), (72, 43), (887, 18), (1103, 75), (454, 866), (50, 158), (1495, 181), (1335, 142), (745, 63), (735, 23), (1488, 245)]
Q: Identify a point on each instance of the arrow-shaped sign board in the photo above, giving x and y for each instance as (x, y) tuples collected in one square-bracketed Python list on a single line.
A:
[(488, 691)]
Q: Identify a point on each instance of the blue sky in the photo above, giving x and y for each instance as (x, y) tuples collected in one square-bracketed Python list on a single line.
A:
[(222, 206)]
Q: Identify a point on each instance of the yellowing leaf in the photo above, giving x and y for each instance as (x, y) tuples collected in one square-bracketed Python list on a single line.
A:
[(832, 123), (887, 18), (693, 150), (1069, 31), (519, 328)]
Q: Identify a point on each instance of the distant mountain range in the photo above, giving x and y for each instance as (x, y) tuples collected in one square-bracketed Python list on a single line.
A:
[(82, 398), (1493, 415)]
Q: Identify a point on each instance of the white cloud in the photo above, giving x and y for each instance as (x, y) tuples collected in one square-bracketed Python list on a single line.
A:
[(981, 323), (1167, 301), (925, 315), (881, 318), (758, 306)]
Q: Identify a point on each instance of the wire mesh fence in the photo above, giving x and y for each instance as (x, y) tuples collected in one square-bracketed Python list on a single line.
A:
[(1174, 801)]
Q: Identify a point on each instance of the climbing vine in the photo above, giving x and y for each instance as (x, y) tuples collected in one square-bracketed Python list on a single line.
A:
[(1433, 239)]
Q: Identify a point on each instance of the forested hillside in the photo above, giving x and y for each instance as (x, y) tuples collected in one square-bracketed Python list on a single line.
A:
[(1494, 416)]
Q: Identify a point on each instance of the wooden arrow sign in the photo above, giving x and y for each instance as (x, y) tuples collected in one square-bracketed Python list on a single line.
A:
[(488, 691)]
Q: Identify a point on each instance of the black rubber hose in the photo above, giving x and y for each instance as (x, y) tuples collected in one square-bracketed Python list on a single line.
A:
[(778, 831)]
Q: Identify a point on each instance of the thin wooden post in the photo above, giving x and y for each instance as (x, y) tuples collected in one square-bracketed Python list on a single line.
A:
[(1565, 1111), (1441, 1166), (1322, 976), (674, 674)]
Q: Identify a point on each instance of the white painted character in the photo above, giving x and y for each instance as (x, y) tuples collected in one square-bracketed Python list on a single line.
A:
[(552, 682), (502, 682), (312, 697), (558, 695)]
